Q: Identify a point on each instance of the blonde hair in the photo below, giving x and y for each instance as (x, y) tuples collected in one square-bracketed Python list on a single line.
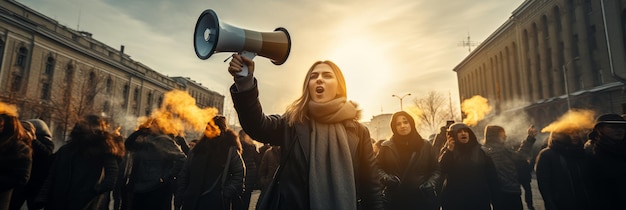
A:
[(297, 112)]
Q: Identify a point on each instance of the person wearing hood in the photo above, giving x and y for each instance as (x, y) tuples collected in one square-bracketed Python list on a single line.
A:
[(470, 175), (562, 171), (608, 156), (508, 196), (409, 168), (328, 162), (43, 148), (206, 182)]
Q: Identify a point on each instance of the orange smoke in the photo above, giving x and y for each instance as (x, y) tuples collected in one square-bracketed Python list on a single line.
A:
[(415, 112), (178, 113), (572, 121), (475, 109), (8, 109)]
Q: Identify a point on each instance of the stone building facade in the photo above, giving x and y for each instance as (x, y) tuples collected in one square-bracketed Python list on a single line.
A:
[(55, 73), (551, 56)]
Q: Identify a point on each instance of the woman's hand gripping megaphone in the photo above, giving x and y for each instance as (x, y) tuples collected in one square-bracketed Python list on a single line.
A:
[(241, 64)]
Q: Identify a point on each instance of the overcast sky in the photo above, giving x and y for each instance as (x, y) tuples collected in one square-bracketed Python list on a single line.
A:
[(384, 47)]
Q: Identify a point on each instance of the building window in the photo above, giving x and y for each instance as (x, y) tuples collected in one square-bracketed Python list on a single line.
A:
[(125, 95), (592, 38), (91, 94), (69, 73), (575, 42), (16, 83), (21, 57), (45, 91), (136, 101), (149, 104), (106, 107), (109, 85), (600, 77), (49, 66)]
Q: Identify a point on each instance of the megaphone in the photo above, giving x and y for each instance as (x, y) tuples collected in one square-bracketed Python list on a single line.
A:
[(211, 36)]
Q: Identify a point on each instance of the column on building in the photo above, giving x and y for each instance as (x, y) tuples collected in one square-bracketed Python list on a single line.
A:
[(509, 72), (524, 64), (516, 72), (503, 75), (493, 83), (586, 70), (568, 48), (544, 59), (556, 71), (535, 84)]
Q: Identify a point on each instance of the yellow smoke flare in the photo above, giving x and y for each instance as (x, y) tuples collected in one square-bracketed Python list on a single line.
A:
[(475, 109), (572, 121), (8, 109), (415, 112), (178, 112)]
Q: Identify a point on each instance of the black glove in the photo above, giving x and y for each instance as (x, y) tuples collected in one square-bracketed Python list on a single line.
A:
[(428, 189), (391, 181)]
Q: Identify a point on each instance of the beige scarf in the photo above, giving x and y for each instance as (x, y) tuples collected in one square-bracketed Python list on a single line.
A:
[(331, 174)]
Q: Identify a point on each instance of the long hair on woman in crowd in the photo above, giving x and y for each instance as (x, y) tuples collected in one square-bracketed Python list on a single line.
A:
[(76, 180), (15, 155), (93, 135)]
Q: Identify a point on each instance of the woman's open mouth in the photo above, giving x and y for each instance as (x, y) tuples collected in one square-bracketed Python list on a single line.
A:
[(319, 89)]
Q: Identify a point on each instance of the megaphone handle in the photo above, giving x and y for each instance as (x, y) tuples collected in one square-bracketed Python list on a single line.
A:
[(244, 70)]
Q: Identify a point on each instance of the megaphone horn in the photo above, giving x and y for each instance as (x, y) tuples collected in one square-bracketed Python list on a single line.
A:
[(211, 36)]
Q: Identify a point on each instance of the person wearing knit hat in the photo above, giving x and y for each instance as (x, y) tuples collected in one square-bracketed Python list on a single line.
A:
[(409, 168), (470, 175), (608, 161)]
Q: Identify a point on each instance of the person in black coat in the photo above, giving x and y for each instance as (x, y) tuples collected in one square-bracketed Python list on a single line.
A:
[(15, 154), (205, 182), (43, 147), (84, 169), (251, 159), (562, 171), (331, 162), (156, 161), (608, 166), (470, 175), (506, 160), (409, 167)]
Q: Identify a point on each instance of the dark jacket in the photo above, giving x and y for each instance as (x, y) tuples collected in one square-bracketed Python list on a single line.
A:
[(608, 173), (15, 166), (417, 183), (470, 175), (76, 181), (269, 164), (251, 160), (506, 160), (200, 181), (563, 176), (157, 159), (43, 148), (294, 181)]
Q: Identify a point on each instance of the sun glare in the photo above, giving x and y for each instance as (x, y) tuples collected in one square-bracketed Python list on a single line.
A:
[(364, 67)]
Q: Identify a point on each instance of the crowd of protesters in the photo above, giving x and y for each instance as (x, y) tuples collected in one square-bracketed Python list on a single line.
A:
[(315, 156)]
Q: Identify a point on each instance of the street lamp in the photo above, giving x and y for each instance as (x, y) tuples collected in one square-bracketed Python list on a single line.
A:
[(405, 95), (569, 103)]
